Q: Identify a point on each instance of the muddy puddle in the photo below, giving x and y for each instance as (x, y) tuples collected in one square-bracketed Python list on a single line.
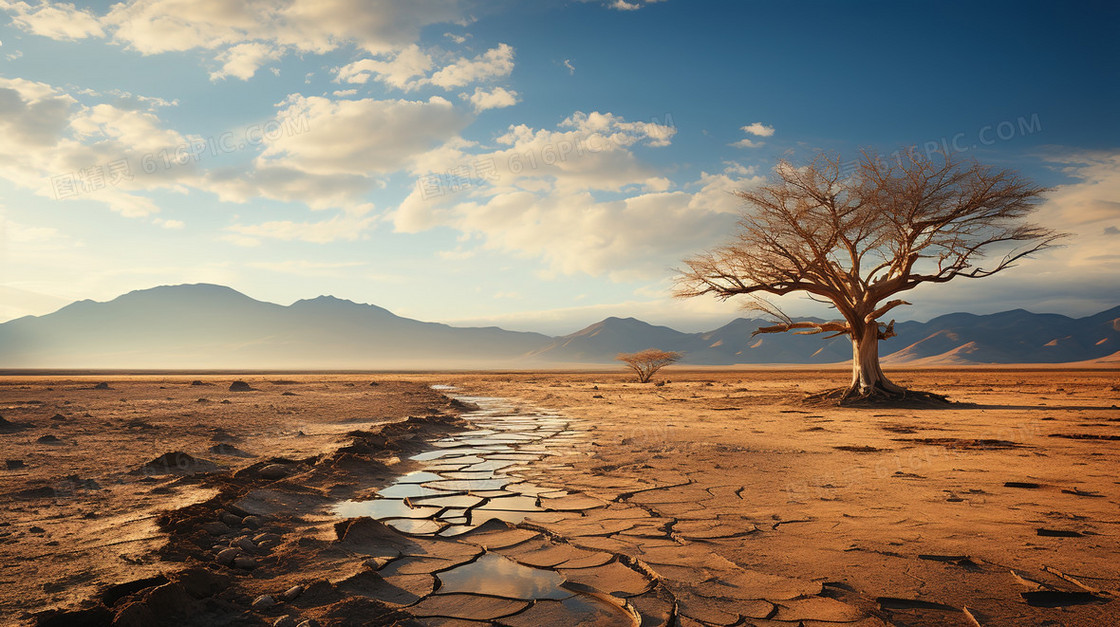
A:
[(468, 493)]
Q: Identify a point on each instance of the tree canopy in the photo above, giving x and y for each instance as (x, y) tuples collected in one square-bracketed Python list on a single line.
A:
[(857, 240)]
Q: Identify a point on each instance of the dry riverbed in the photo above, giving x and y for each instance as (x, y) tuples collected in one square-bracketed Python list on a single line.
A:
[(715, 498)]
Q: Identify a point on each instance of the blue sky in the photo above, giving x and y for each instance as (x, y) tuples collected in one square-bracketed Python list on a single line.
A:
[(537, 165)]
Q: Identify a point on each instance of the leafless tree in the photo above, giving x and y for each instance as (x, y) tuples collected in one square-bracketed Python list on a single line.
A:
[(857, 239), (646, 363)]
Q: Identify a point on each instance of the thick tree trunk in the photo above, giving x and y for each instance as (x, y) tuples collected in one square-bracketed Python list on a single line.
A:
[(867, 376)]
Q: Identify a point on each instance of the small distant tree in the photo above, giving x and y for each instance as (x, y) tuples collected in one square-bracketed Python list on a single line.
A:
[(858, 239), (646, 363)]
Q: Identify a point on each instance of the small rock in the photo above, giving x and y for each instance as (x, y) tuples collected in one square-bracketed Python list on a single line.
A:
[(14, 464), (215, 528), (102, 386), (266, 547), (240, 386), (274, 471), (263, 602), (226, 557), (244, 562), (266, 537), (291, 594), (58, 417), (284, 621), (247, 545), (233, 520), (377, 563), (37, 529), (253, 522)]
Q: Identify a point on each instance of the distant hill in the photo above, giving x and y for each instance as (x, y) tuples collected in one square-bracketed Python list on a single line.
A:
[(211, 326), (1004, 338)]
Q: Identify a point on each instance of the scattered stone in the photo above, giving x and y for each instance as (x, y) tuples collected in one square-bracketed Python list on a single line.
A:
[(1027, 485), (241, 386), (58, 417), (289, 394), (233, 520), (176, 462), (1058, 598), (42, 492), (274, 471), (374, 384), (102, 386), (291, 594), (226, 557), (246, 544), (229, 450), (198, 382), (263, 602), (1059, 533), (244, 562), (859, 449), (255, 522), (114, 593), (37, 529), (49, 439), (15, 464), (201, 583)]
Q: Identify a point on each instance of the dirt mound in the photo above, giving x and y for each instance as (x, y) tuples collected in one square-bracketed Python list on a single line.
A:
[(176, 462), (48, 439), (241, 386), (230, 450), (102, 386), (7, 426)]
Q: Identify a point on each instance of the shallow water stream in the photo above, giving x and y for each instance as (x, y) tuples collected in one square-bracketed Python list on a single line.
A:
[(468, 479)]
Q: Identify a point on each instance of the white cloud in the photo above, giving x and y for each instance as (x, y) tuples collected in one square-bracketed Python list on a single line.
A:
[(746, 142), (1086, 209), (634, 5), (411, 68), (496, 98), (315, 26), (361, 137), (401, 71), (759, 129), (61, 149), (243, 60), (568, 64), (539, 200), (55, 20), (494, 63)]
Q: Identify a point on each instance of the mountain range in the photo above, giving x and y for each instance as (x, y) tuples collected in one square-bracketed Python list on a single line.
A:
[(212, 326)]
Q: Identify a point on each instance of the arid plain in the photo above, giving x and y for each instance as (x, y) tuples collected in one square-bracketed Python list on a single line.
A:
[(714, 497)]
